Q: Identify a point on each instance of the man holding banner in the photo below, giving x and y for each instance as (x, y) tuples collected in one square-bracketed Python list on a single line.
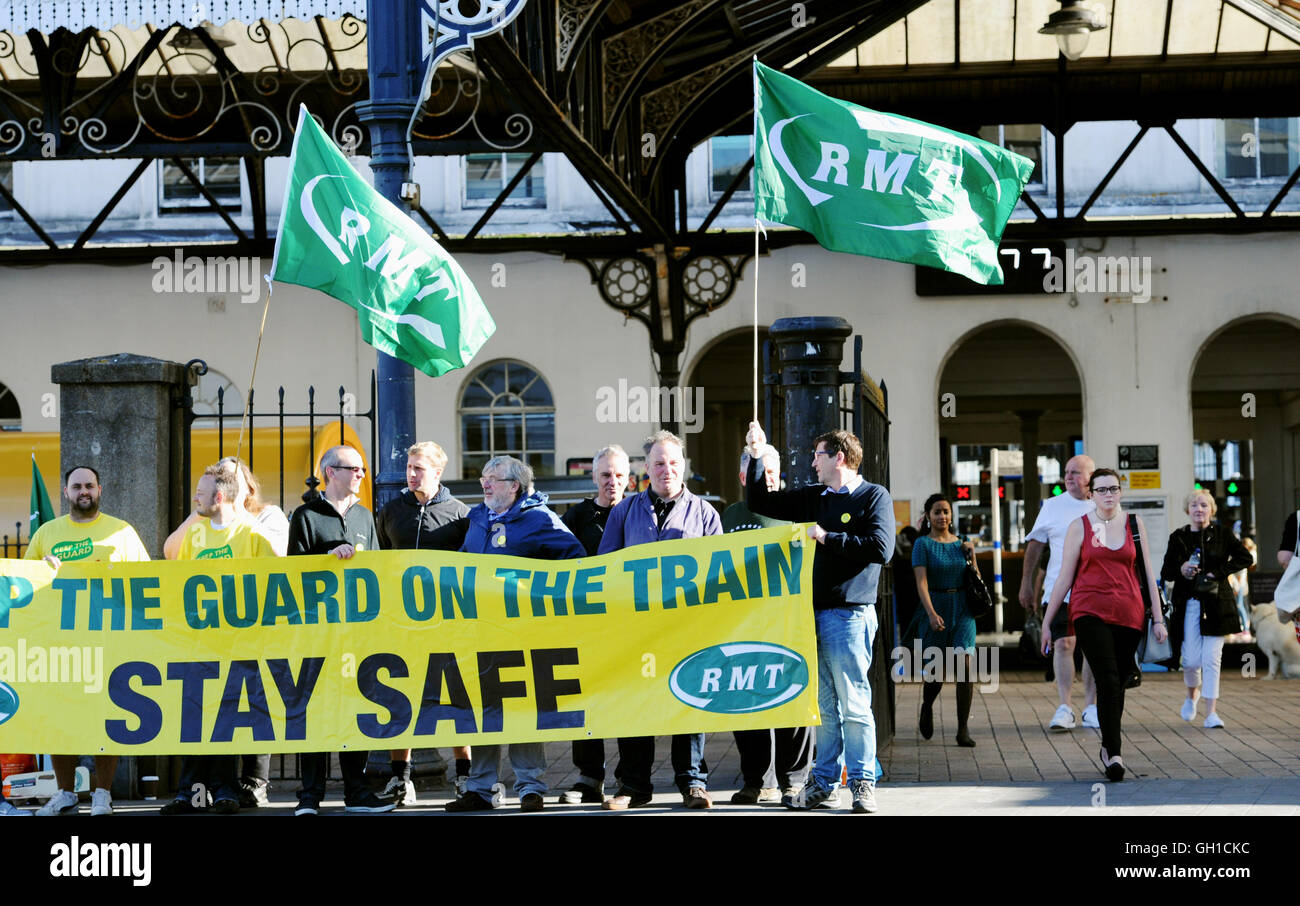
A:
[(513, 520), (855, 537), (664, 510), (84, 534), (336, 523)]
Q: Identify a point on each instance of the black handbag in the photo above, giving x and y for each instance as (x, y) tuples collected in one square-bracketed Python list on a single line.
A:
[(978, 600)]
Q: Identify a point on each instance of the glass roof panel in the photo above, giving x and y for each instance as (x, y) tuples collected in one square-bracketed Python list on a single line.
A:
[(1240, 33)]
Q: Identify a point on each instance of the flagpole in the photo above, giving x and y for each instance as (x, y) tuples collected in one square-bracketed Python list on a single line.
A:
[(252, 378), (754, 130)]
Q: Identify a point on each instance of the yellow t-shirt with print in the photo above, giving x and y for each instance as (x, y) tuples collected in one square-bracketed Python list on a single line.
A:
[(238, 540), (103, 538)]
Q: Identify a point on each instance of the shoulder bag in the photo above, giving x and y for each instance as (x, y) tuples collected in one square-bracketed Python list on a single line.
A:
[(1150, 651), (1287, 594), (978, 600)]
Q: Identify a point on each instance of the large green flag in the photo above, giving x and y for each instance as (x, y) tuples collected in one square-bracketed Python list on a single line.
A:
[(42, 511), (340, 236), (881, 185)]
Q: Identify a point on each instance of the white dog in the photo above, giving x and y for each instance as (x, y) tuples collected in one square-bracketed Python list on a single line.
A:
[(1277, 640)]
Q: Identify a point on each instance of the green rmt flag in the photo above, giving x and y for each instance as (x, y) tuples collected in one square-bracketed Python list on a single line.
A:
[(340, 236), (881, 185), (42, 511)]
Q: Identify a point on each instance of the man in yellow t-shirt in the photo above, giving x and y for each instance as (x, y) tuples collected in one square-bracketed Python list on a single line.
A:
[(224, 535), (84, 534)]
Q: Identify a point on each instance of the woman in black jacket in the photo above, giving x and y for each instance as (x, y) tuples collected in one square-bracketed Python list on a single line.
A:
[(1198, 562)]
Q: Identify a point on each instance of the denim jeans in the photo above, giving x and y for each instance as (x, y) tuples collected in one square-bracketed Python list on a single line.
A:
[(636, 755), (846, 637), (527, 758)]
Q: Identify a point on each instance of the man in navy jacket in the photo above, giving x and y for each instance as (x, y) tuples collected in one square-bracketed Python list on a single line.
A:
[(855, 537), (512, 520)]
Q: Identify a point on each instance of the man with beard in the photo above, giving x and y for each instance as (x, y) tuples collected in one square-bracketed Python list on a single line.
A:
[(84, 534)]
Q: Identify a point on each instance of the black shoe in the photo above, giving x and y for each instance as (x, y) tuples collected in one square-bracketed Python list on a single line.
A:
[(470, 802), (1113, 765), (532, 802), (581, 793), (964, 740), (226, 807), (368, 802), (1134, 680), (179, 807), (252, 793), (307, 806)]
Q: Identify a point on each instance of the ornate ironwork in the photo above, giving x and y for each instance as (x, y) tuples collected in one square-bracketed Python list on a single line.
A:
[(708, 281), (623, 53), (664, 106), (448, 30), (450, 93), (571, 16), (174, 93), (626, 284)]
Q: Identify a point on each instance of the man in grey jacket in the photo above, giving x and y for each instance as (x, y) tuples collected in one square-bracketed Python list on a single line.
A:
[(664, 510)]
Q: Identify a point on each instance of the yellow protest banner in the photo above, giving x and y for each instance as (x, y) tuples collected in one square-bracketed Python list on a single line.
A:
[(403, 648)]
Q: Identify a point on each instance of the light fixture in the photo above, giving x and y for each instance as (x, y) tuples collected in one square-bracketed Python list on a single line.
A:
[(1072, 24), (186, 42)]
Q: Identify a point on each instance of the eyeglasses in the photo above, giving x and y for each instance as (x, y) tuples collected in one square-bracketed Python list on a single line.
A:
[(1109, 489), (489, 480), (360, 470), (826, 453)]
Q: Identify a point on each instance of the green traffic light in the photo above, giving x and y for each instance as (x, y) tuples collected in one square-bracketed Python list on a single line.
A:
[(1199, 486), (1232, 487), (1057, 490)]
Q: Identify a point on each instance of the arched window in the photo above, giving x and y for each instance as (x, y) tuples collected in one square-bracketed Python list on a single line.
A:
[(506, 409), (11, 419)]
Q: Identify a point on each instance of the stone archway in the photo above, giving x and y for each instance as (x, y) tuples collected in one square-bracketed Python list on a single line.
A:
[(1245, 399)]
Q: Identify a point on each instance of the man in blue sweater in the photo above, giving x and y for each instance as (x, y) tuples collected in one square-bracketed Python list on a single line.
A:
[(855, 537)]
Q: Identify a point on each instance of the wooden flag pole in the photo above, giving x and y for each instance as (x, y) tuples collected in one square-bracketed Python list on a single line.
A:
[(243, 420)]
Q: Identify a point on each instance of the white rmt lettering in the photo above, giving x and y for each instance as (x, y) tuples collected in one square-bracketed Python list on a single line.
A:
[(742, 678), (834, 157), (352, 226), (397, 267), (773, 671), (712, 676), (946, 177), (879, 173)]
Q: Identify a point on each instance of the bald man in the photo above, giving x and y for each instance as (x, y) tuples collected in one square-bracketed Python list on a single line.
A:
[(1053, 521)]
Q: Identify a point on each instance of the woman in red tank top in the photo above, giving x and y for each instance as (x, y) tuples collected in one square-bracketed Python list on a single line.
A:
[(1098, 569)]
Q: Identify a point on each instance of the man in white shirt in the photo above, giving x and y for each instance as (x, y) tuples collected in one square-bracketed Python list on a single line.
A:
[(1053, 521)]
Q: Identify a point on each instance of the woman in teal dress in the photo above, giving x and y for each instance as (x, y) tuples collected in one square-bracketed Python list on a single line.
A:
[(939, 560)]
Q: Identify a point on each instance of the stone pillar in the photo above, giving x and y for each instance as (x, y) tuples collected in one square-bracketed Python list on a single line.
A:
[(122, 416)]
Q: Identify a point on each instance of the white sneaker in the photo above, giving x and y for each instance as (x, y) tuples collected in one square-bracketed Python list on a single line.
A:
[(9, 810), (1188, 710), (101, 802), (1090, 717), (461, 786), (402, 792), (1213, 721), (63, 803), (1063, 719)]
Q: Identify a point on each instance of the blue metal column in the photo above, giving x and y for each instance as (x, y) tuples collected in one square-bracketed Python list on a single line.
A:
[(393, 51)]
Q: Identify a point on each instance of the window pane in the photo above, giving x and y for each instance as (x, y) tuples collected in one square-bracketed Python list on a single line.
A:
[(483, 176), (1274, 153), (729, 154), (7, 179), (175, 185), (494, 376), (542, 463), (533, 186), (475, 395), (1026, 139), (507, 433), (471, 465), (1236, 140), (474, 432), (541, 431), (221, 176)]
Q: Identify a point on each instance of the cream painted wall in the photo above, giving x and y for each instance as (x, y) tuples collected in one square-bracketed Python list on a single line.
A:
[(1135, 362)]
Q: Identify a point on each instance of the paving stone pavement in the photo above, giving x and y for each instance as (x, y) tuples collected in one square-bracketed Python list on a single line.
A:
[(1018, 766)]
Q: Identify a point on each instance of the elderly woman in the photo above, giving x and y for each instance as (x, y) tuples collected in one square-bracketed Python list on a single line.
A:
[(1199, 561), (1099, 570)]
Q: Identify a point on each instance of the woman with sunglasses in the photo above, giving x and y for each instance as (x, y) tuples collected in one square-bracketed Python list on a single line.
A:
[(1099, 570)]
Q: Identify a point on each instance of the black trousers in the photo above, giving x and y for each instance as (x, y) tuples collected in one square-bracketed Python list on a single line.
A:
[(1109, 649), (219, 773), (256, 767), (636, 757), (780, 758), (589, 758), (315, 771)]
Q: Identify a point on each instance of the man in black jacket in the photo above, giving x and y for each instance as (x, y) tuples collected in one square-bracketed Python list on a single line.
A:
[(336, 523), (609, 472), (423, 517), (855, 537)]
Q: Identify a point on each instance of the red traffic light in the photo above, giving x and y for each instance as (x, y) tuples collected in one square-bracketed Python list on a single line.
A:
[(963, 492)]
